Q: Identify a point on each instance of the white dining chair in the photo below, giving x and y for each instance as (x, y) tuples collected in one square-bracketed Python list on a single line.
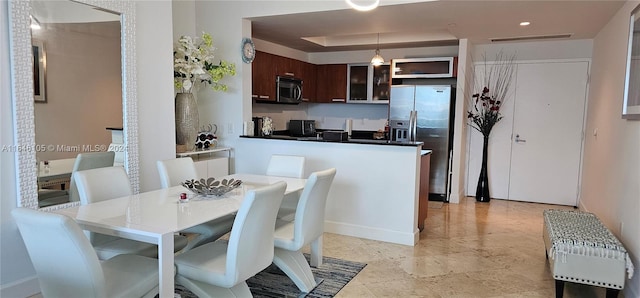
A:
[(174, 171), (87, 161), (287, 166), (220, 269), (108, 183), (307, 226), (66, 265)]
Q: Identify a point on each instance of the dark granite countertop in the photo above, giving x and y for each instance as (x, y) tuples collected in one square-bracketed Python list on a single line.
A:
[(350, 141)]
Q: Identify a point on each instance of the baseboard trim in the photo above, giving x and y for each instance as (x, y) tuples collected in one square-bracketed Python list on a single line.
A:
[(22, 288), (456, 198), (372, 233)]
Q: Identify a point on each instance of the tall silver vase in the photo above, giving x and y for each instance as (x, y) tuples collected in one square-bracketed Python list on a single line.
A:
[(187, 120)]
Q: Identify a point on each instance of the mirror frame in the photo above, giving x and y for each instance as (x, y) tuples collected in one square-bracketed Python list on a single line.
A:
[(23, 105)]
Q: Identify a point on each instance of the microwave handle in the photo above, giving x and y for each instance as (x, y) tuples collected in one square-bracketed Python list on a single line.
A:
[(298, 92)]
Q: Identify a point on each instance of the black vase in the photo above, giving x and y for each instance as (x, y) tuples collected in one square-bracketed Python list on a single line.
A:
[(482, 190)]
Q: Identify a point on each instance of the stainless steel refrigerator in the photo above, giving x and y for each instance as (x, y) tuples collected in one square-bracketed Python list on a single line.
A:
[(423, 113)]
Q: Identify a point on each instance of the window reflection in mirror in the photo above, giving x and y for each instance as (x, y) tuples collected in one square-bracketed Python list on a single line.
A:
[(83, 89)]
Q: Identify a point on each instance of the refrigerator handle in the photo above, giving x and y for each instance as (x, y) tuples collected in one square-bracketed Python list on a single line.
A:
[(413, 123)]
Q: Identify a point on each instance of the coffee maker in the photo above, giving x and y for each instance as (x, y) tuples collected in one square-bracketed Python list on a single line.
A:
[(257, 126)]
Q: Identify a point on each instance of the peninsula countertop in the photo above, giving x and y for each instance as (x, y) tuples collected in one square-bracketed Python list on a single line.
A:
[(349, 141)]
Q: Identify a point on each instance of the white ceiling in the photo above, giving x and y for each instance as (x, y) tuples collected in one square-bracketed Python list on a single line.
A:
[(70, 12), (432, 23)]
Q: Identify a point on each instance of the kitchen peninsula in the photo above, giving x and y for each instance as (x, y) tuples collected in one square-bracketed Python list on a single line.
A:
[(376, 189)]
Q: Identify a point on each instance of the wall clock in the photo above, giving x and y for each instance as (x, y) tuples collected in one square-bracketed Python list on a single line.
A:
[(248, 50)]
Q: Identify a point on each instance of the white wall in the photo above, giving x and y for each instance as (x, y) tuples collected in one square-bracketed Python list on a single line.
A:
[(611, 166), (536, 50), (459, 154), (154, 45), (156, 131)]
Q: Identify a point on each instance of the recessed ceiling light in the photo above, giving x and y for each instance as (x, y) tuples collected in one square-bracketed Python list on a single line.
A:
[(525, 23)]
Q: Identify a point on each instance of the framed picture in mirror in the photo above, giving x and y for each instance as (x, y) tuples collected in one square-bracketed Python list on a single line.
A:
[(39, 71), (631, 102)]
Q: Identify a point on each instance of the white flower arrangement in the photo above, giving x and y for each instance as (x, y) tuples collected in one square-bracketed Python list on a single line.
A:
[(267, 126), (193, 64)]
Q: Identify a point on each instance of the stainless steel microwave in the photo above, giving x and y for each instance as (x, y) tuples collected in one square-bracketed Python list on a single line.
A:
[(288, 90)]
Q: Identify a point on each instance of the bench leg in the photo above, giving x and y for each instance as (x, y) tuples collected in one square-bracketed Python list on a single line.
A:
[(559, 288), (612, 293)]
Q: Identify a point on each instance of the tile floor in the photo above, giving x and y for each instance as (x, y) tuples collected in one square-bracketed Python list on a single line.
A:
[(466, 250)]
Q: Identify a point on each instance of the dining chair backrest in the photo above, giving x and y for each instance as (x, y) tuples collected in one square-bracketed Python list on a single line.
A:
[(87, 161), (102, 184), (63, 258), (308, 224), (174, 171), (250, 247), (286, 166)]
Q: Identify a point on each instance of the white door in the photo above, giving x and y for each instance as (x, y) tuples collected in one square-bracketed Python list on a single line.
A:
[(547, 132)]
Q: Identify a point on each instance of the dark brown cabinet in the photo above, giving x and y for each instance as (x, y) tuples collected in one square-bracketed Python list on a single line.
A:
[(423, 194), (308, 76), (331, 83), (263, 81), (266, 67)]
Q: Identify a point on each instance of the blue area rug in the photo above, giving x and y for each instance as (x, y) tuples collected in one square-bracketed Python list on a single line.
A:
[(272, 282)]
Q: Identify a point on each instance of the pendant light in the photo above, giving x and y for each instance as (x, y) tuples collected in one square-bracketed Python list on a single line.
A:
[(360, 7), (377, 58)]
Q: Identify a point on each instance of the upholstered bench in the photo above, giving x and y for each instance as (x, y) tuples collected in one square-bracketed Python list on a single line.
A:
[(583, 250)]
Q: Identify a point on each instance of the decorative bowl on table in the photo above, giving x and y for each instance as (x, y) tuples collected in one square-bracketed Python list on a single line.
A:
[(211, 186)]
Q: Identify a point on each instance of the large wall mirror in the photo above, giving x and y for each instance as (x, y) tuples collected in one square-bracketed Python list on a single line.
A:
[(73, 79)]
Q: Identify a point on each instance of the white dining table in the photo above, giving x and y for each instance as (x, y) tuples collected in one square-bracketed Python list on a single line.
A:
[(155, 216), (58, 171)]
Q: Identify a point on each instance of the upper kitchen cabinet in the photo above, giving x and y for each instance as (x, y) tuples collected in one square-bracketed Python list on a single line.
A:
[(331, 83), (368, 83), (309, 81), (266, 67), (287, 67), (439, 67), (263, 78)]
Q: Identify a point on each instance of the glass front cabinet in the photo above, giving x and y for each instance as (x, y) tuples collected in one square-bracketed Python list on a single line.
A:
[(440, 67), (368, 83)]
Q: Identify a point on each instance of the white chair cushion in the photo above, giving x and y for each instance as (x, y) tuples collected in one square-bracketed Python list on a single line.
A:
[(120, 246), (205, 263), (284, 235), (141, 273)]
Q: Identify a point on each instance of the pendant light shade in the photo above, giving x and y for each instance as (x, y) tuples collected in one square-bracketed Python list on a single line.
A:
[(377, 58)]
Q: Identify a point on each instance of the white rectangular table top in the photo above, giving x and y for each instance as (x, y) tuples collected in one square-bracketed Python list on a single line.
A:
[(155, 216), (58, 168)]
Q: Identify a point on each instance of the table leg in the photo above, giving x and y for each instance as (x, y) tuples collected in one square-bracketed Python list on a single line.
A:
[(165, 266), (316, 252)]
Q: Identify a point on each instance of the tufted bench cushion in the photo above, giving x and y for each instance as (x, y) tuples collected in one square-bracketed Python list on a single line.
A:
[(583, 250)]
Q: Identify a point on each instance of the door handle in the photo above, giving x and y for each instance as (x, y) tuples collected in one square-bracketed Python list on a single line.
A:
[(519, 140)]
